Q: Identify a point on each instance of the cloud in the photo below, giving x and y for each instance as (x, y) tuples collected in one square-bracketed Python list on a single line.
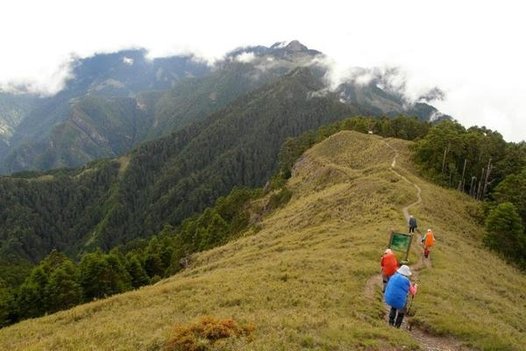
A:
[(466, 58), (388, 78), (48, 79), (245, 57), (127, 60)]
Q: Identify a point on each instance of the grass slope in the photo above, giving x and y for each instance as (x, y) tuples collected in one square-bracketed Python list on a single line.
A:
[(300, 278)]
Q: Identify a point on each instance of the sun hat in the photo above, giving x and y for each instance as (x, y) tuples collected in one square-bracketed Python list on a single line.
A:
[(388, 251), (429, 230), (404, 270)]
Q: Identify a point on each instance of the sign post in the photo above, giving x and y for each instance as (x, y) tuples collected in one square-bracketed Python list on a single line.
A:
[(401, 242)]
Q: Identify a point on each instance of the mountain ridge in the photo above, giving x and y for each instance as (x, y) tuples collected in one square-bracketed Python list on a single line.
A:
[(299, 275), (168, 93)]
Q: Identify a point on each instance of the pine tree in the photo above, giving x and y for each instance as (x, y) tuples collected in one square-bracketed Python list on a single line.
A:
[(31, 299), (505, 232), (137, 273), (7, 308), (63, 289)]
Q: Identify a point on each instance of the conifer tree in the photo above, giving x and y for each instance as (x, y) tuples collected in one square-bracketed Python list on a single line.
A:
[(7, 315), (505, 232), (137, 273), (63, 289)]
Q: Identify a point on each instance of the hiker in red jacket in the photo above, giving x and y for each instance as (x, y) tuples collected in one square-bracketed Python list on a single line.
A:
[(389, 265), (428, 240)]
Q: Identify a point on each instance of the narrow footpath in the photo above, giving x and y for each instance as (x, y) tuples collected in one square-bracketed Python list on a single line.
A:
[(426, 341)]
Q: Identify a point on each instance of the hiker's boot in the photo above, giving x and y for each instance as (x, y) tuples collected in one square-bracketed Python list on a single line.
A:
[(399, 320), (392, 315)]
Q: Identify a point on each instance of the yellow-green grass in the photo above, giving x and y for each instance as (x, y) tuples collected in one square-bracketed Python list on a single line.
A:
[(301, 277)]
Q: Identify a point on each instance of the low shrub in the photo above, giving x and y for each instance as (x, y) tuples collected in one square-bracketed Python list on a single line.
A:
[(201, 335)]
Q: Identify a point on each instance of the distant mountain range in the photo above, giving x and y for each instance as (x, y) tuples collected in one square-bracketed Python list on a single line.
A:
[(117, 101)]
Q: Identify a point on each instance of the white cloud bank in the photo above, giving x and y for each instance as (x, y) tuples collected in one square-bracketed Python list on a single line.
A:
[(245, 57), (472, 51)]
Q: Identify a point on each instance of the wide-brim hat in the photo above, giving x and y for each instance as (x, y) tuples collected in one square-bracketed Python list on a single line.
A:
[(404, 270)]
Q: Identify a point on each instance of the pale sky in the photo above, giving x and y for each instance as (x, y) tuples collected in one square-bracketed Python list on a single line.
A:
[(473, 50)]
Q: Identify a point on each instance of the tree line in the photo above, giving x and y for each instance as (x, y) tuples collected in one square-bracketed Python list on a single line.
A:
[(60, 281), (479, 162)]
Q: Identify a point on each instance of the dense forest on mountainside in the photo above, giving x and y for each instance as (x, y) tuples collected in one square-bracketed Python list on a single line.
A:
[(325, 229), (49, 211), (172, 178), (140, 262), (164, 181)]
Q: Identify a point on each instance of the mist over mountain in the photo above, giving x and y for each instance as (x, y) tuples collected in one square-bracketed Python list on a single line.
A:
[(112, 102)]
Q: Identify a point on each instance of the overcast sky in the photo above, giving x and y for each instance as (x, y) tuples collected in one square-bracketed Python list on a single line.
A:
[(474, 51)]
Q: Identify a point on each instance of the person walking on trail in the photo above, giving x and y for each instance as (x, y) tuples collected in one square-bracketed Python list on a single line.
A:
[(396, 295), (428, 240), (389, 265), (412, 224)]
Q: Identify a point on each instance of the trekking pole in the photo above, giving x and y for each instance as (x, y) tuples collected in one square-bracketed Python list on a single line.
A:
[(410, 304), (408, 313), (415, 287)]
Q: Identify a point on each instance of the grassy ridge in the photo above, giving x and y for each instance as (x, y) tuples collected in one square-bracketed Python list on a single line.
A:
[(300, 278)]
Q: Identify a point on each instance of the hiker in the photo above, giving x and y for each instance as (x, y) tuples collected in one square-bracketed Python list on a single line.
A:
[(389, 265), (396, 293), (428, 240), (412, 224)]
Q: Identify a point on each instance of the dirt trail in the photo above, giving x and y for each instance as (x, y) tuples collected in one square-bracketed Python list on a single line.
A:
[(426, 341)]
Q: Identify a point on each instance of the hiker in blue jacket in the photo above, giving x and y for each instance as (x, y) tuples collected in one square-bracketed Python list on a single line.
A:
[(396, 293)]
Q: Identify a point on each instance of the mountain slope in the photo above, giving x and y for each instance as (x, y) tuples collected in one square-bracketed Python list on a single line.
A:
[(300, 278), (235, 146), (166, 93), (163, 95), (125, 74), (97, 127), (13, 109), (163, 181)]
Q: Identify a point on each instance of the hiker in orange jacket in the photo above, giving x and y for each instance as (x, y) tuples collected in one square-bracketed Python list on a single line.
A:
[(428, 240), (389, 265)]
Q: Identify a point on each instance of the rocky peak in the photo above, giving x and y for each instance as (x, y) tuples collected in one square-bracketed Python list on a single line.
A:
[(291, 50), (296, 46)]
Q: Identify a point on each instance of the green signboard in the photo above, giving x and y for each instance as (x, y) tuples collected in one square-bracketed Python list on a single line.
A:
[(400, 242)]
